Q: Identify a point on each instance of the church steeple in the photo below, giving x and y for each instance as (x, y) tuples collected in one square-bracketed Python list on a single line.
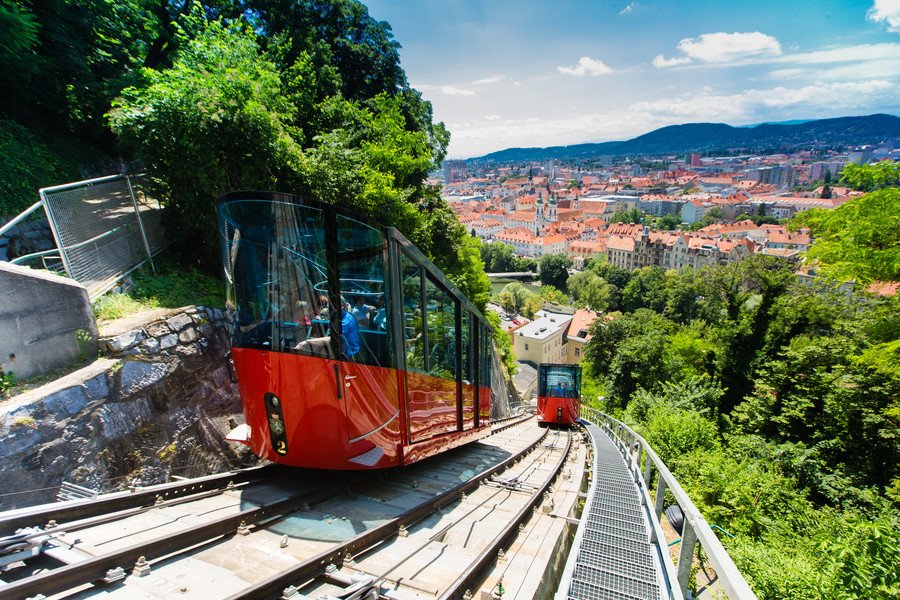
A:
[(539, 214), (551, 216)]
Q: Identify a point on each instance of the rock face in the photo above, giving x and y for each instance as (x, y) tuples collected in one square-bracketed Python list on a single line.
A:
[(502, 393), (153, 407)]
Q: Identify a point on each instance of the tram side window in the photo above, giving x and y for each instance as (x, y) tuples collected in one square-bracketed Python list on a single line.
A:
[(443, 341), (414, 343), (276, 255), (365, 331)]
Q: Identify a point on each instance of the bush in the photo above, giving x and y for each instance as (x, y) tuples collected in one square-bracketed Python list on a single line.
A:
[(675, 433)]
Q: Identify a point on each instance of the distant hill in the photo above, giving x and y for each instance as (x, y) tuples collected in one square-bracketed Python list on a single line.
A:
[(706, 137)]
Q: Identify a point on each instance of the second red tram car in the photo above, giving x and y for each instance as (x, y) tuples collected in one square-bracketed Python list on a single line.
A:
[(352, 350), (559, 394)]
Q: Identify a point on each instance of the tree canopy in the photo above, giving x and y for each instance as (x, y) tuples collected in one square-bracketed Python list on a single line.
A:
[(554, 270), (858, 240)]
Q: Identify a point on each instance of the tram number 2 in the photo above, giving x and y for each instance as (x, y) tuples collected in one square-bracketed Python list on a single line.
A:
[(280, 447)]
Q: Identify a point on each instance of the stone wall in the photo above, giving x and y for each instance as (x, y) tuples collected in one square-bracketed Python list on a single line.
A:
[(158, 404), (45, 321)]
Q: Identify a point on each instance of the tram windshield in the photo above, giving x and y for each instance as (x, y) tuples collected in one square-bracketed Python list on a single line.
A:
[(289, 264), (559, 381)]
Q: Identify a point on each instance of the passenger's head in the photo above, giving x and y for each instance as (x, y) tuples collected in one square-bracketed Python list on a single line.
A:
[(359, 300)]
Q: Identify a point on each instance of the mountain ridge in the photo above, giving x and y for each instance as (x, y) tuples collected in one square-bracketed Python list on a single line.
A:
[(704, 137)]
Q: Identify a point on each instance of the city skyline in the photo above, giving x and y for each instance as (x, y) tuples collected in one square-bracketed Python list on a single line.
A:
[(505, 74)]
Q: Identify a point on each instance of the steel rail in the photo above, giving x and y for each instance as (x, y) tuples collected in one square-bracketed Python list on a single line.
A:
[(38, 516), (70, 576), (70, 526), (468, 578), (315, 566)]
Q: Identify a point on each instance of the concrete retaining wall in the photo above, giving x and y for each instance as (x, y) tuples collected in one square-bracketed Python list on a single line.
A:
[(45, 321)]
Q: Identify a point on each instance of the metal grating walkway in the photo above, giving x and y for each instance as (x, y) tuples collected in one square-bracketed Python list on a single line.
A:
[(612, 557)]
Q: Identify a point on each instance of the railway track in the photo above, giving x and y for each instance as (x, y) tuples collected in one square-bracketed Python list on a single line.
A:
[(269, 532)]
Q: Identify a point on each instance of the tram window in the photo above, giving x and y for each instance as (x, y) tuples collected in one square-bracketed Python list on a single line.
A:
[(442, 338), (414, 343), (275, 257), (559, 382), (364, 297)]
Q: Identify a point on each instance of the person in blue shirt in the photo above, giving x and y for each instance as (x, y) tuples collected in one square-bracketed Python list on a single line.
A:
[(350, 333)]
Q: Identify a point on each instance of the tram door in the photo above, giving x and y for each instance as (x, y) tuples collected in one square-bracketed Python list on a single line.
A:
[(431, 345), (365, 376)]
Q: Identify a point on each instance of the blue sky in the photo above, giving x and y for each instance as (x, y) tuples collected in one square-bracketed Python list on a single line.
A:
[(503, 73)]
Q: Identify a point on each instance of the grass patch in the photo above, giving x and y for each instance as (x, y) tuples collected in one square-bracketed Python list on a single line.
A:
[(173, 286)]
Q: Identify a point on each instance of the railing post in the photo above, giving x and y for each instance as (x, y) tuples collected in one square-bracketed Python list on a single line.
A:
[(648, 471), (686, 556), (660, 496)]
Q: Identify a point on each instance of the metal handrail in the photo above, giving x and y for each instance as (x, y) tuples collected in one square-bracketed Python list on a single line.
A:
[(22, 216), (696, 529)]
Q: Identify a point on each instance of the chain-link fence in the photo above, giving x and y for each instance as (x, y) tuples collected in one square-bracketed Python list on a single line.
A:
[(103, 228)]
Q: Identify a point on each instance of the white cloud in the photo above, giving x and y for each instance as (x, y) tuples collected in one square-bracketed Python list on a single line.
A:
[(846, 54), (493, 118), (586, 66), (447, 90), (455, 91), (722, 47), (887, 11), (661, 62), (868, 69), (486, 80), (627, 9)]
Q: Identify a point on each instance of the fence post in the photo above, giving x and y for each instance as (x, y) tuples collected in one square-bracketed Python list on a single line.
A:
[(686, 555), (648, 470), (660, 496), (137, 214), (54, 228)]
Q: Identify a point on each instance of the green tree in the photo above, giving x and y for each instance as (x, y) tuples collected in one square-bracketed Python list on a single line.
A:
[(517, 295), (646, 289), (554, 270), (627, 216), (548, 293), (858, 240), (219, 95), (499, 257), (868, 178), (668, 222), (589, 289)]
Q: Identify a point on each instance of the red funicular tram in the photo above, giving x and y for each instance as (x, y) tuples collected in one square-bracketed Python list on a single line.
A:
[(559, 394), (352, 350)]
